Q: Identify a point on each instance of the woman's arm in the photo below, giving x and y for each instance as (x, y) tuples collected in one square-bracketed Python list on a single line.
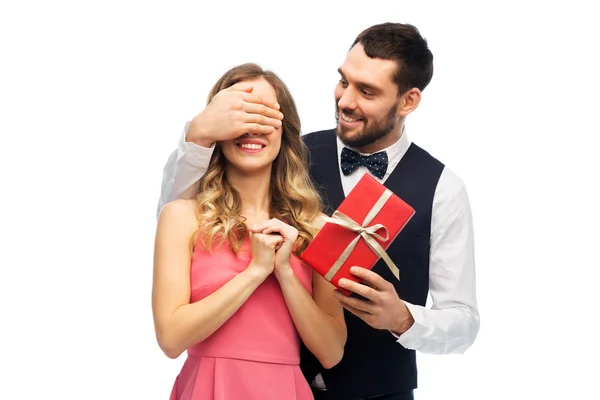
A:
[(179, 324), (319, 319)]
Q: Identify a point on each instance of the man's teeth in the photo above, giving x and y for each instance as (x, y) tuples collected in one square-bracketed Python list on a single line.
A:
[(251, 146), (348, 119)]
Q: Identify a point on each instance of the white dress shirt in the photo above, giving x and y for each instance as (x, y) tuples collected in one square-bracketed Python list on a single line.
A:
[(183, 170), (451, 324)]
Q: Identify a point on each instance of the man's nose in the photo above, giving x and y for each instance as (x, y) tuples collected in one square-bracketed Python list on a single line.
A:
[(348, 100)]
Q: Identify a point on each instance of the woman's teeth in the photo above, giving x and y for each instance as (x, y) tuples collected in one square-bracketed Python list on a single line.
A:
[(251, 146)]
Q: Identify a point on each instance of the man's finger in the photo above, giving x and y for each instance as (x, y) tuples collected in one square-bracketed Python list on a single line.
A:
[(261, 120), (240, 87), (262, 109), (363, 290), (258, 129), (360, 314), (257, 99), (357, 304), (370, 277)]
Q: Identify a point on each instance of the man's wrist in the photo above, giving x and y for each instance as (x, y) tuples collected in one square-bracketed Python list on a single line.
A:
[(202, 142), (405, 322), (198, 136)]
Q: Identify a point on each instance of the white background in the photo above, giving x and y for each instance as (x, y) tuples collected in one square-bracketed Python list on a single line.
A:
[(93, 97)]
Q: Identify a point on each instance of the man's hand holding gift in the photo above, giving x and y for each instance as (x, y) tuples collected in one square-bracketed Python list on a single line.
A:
[(381, 307)]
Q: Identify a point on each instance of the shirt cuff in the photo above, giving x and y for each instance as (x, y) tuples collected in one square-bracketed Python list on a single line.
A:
[(411, 339), (196, 155)]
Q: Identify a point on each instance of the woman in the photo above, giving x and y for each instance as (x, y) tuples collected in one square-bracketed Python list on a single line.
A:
[(228, 287)]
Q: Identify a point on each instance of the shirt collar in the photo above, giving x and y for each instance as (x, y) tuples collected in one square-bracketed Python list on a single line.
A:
[(394, 152)]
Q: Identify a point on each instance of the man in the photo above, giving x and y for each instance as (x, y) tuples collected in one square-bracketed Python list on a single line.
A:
[(381, 81)]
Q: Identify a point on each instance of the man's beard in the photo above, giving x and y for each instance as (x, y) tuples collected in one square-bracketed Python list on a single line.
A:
[(371, 132)]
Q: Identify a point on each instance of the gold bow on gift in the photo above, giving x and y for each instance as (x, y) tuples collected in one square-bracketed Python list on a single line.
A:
[(368, 233)]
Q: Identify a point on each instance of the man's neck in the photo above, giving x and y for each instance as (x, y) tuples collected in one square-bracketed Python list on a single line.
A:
[(392, 137)]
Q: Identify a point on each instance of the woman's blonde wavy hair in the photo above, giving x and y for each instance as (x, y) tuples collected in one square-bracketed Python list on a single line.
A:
[(294, 199)]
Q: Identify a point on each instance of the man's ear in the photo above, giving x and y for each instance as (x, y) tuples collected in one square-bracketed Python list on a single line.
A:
[(409, 102)]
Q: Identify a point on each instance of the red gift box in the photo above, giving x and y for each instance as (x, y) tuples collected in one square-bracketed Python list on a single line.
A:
[(358, 232)]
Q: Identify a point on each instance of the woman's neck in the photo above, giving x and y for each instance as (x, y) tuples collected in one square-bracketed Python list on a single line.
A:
[(254, 191)]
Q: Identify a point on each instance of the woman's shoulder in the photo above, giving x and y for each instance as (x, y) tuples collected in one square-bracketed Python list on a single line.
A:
[(318, 222), (181, 211)]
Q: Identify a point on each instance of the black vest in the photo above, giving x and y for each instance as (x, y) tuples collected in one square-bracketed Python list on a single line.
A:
[(373, 362)]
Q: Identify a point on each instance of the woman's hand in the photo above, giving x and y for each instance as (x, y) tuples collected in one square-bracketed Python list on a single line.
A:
[(263, 248), (288, 233)]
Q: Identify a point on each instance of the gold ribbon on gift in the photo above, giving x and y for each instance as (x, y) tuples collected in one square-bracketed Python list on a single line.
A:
[(368, 233)]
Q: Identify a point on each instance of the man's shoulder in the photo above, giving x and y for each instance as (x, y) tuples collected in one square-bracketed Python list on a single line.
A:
[(424, 153), (449, 180)]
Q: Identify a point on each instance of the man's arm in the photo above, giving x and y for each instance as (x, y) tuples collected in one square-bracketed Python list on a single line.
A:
[(184, 168), (452, 323)]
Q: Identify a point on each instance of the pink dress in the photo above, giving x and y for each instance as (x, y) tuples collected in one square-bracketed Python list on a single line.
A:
[(256, 353)]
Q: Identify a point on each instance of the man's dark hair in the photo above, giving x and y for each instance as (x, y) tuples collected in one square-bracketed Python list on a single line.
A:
[(404, 44)]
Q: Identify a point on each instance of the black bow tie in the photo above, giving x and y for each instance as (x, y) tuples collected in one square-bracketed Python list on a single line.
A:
[(376, 163)]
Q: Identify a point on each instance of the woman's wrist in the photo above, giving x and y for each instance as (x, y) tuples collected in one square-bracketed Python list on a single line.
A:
[(284, 271)]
